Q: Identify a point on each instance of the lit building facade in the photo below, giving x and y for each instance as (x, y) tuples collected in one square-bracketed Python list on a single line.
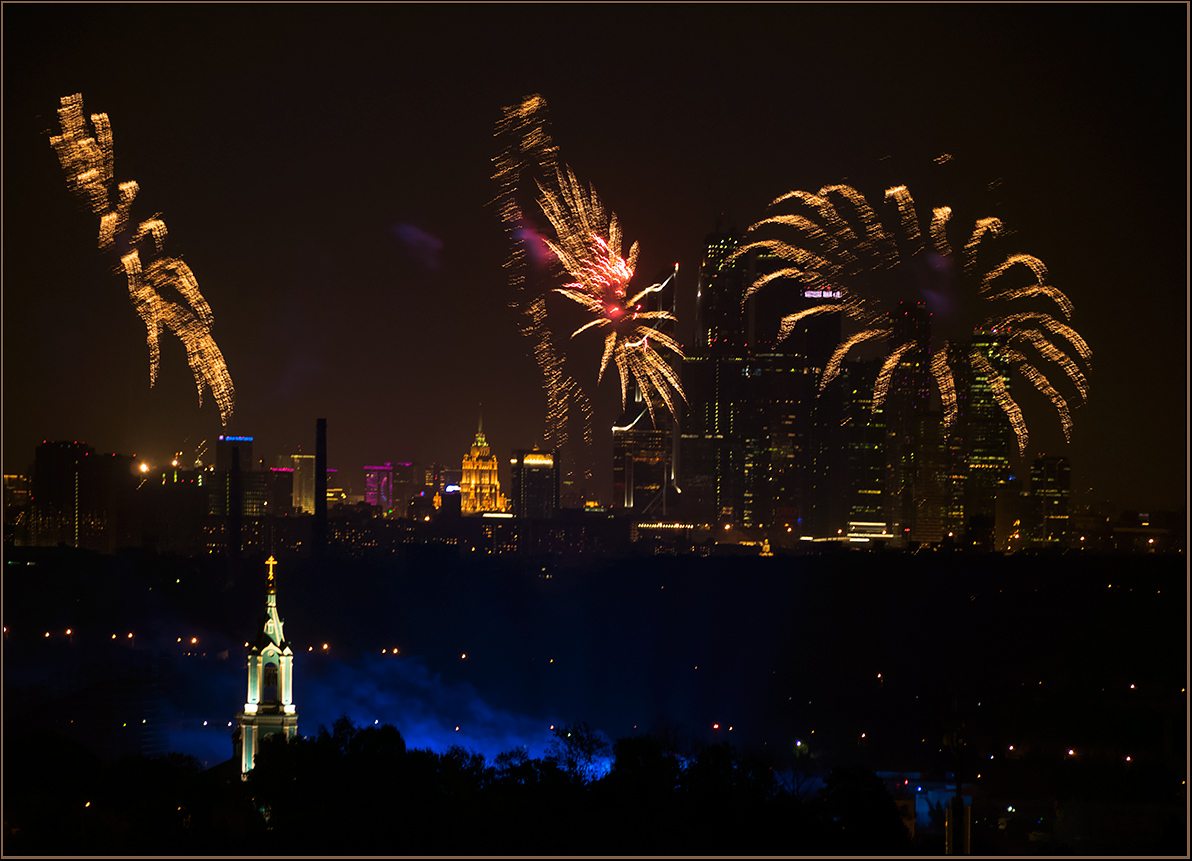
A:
[(749, 444), (81, 498), (269, 706), (303, 498), (378, 487), (988, 441), (535, 483), (480, 491), (641, 458), (225, 445), (1050, 494)]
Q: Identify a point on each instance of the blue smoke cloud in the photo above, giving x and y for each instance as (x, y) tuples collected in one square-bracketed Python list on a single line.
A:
[(370, 690), (402, 691)]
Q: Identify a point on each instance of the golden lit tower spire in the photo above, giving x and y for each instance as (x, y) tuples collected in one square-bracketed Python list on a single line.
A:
[(479, 488)]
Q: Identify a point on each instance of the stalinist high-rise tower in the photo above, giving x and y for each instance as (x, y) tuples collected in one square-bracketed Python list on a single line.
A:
[(479, 489)]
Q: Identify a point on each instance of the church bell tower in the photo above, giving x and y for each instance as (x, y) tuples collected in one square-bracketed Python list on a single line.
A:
[(269, 707)]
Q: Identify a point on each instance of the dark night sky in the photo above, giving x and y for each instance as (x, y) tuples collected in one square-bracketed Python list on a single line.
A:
[(284, 146)]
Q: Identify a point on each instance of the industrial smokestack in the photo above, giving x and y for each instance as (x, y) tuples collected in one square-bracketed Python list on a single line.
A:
[(320, 525), (234, 503)]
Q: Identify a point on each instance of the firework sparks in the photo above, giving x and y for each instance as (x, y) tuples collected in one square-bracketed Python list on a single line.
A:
[(588, 247), (528, 152), (835, 240), (586, 242), (88, 163)]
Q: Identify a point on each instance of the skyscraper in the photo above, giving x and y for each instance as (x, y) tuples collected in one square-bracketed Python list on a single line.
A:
[(748, 444), (988, 441), (1050, 492), (914, 441), (535, 483), (479, 488), (641, 458), (378, 487), (304, 483), (644, 445), (223, 452), (710, 455), (81, 498)]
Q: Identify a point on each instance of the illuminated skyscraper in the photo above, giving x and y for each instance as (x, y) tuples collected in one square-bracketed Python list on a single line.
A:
[(849, 470), (535, 483), (748, 446), (480, 491), (239, 489), (269, 707), (641, 458), (917, 465), (304, 483), (645, 447), (988, 442), (1050, 491), (378, 487), (223, 452)]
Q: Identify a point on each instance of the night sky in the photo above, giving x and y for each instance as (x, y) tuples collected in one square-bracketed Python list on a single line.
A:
[(326, 173)]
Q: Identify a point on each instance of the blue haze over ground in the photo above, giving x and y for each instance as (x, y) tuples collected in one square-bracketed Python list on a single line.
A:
[(778, 650)]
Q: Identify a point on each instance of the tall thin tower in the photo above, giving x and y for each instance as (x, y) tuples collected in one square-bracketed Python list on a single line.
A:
[(269, 706)]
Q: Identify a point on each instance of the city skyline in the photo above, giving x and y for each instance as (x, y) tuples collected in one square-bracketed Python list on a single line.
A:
[(329, 182)]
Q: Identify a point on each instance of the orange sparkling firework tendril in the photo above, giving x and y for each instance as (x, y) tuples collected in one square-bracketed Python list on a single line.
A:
[(527, 152), (88, 164), (836, 234), (587, 244)]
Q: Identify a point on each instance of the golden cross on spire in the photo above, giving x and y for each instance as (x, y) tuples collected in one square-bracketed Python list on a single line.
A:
[(271, 562)]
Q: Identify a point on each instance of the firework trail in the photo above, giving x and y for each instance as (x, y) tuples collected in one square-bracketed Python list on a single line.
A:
[(88, 164), (835, 241), (527, 152), (586, 243)]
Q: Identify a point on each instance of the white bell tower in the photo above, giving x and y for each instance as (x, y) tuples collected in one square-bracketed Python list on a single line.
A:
[(269, 707)]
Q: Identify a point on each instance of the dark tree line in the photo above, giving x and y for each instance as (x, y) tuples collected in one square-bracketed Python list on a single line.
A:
[(351, 790)]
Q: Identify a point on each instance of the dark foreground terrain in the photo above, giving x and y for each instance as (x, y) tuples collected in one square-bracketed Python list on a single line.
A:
[(730, 700)]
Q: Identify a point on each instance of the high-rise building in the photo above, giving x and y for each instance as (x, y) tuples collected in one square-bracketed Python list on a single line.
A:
[(710, 456), (645, 445), (81, 498), (1050, 493), (304, 483), (988, 440), (535, 483), (748, 444), (237, 487), (641, 458), (480, 490), (378, 487), (407, 482), (223, 452), (911, 429), (720, 292), (269, 706), (850, 466)]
